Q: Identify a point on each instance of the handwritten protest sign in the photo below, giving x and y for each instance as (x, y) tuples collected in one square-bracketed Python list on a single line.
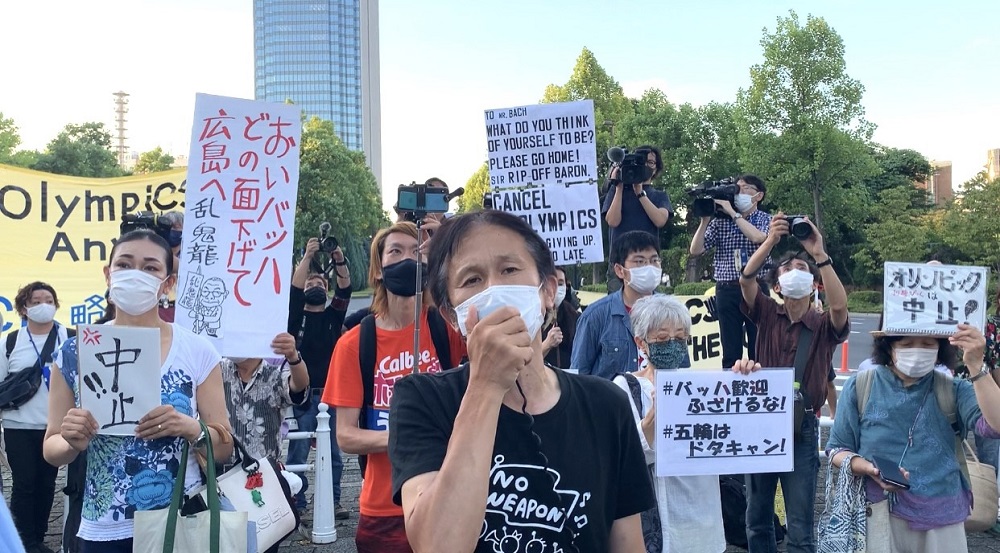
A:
[(933, 299), (543, 168), (243, 175), (119, 377), (719, 422)]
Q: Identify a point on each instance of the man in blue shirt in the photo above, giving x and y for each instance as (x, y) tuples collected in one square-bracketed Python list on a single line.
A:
[(736, 232), (604, 345), (636, 207)]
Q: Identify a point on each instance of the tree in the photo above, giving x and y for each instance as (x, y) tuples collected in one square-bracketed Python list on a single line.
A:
[(477, 185), (153, 161), (10, 138), (904, 234), (81, 151), (801, 122), (336, 186), (969, 226)]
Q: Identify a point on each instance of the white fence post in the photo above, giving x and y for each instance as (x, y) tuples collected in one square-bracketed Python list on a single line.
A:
[(324, 528)]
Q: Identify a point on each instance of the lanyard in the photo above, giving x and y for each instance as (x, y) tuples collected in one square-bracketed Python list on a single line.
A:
[(41, 362), (909, 438)]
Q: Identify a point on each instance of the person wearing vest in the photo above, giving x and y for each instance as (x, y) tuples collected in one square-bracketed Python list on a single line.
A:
[(30, 348), (367, 362)]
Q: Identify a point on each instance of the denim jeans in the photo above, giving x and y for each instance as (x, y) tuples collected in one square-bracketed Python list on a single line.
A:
[(734, 325), (298, 450), (799, 490)]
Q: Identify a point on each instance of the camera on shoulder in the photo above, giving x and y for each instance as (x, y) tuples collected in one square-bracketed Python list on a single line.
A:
[(704, 195), (145, 220)]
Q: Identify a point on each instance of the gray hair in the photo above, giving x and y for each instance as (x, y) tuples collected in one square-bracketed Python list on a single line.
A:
[(651, 313), (173, 218)]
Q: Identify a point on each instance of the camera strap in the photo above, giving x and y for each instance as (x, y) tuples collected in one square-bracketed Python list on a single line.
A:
[(802, 354)]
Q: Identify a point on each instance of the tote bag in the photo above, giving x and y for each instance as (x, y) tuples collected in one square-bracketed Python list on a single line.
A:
[(211, 531)]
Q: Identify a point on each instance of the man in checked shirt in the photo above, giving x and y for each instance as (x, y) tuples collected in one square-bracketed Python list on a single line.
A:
[(736, 232)]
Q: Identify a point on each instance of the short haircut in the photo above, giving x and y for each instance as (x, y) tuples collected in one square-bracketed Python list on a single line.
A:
[(24, 295), (321, 276), (656, 152), (650, 313), (455, 230), (754, 181), (173, 218), (434, 181), (772, 274), (380, 298), (631, 242)]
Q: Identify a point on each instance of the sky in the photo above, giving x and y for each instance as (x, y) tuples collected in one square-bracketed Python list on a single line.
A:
[(929, 68)]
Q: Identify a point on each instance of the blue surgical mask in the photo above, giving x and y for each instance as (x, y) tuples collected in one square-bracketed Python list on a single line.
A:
[(667, 355), (174, 239)]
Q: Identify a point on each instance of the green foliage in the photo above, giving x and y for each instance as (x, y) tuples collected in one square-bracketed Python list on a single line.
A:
[(153, 161), (477, 185), (864, 301), (10, 138), (599, 288), (899, 232), (970, 227), (335, 185), (692, 288), (80, 151)]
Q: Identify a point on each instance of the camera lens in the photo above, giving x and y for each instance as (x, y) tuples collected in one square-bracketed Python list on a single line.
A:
[(801, 228)]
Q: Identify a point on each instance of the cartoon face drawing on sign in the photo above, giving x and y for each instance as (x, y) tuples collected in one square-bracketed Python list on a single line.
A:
[(207, 312)]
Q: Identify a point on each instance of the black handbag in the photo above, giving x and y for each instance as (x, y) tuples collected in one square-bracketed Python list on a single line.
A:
[(21, 386)]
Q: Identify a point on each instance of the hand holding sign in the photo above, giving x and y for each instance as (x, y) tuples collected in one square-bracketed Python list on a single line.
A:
[(973, 345), (164, 422)]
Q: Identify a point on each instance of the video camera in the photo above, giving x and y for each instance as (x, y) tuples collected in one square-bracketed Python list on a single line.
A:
[(707, 192), (632, 167), (799, 226), (415, 201), (145, 220)]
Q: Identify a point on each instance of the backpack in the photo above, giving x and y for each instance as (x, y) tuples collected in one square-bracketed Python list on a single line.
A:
[(367, 353), (944, 391), (734, 511), (20, 386)]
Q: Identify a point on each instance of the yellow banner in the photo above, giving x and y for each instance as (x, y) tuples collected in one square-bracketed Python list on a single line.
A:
[(60, 230)]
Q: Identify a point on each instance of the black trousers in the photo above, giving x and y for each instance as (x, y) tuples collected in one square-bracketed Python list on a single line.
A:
[(733, 325), (34, 484)]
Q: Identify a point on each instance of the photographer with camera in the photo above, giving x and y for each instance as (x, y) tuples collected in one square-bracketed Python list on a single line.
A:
[(784, 330), (736, 230), (634, 204), (316, 326)]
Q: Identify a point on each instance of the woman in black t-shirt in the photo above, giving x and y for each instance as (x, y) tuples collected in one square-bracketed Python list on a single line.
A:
[(504, 453)]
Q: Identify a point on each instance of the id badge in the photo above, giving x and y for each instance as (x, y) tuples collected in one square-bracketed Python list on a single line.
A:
[(740, 259)]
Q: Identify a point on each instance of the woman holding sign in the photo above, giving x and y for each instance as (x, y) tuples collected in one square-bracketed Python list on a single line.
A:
[(126, 474), (896, 429), (688, 516)]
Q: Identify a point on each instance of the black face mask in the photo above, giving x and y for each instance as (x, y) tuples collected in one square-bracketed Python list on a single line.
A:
[(315, 295), (401, 278)]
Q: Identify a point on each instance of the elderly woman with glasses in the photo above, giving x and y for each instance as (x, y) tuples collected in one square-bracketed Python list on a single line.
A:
[(688, 516)]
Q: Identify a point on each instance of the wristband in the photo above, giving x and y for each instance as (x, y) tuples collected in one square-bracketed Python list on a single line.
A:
[(297, 361), (745, 276), (642, 194), (340, 263), (827, 263)]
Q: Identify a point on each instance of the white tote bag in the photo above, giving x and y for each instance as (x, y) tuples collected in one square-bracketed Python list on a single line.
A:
[(270, 508), (211, 531)]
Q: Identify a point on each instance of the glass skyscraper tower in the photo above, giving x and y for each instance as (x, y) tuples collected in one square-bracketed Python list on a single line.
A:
[(323, 55)]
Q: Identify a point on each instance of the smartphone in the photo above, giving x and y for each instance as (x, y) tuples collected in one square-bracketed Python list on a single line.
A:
[(420, 197), (889, 472)]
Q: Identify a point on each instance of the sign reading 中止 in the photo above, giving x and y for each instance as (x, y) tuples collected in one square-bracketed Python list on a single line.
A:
[(119, 376), (720, 422), (243, 175), (922, 298), (543, 168)]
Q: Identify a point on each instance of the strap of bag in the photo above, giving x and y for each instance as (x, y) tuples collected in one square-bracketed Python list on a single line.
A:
[(11, 342), (635, 390), (50, 345), (439, 337), (802, 353), (178, 497)]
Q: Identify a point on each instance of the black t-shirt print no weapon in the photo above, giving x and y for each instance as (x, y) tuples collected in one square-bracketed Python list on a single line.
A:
[(597, 472)]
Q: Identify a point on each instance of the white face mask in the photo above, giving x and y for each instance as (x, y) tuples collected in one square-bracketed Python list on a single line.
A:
[(796, 284), (743, 202), (560, 295), (42, 313), (133, 291), (644, 279), (915, 362), (523, 298)]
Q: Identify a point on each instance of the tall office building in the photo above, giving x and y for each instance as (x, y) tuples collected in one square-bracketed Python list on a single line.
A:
[(323, 55), (993, 164), (938, 185)]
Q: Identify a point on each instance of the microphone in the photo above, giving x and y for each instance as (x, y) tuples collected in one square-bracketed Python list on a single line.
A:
[(458, 192), (616, 155)]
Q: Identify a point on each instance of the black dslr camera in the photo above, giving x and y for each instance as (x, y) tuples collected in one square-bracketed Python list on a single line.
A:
[(327, 243), (144, 220), (706, 193), (632, 167), (799, 226)]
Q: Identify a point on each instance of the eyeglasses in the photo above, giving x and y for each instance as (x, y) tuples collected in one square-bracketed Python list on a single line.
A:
[(651, 164), (642, 261)]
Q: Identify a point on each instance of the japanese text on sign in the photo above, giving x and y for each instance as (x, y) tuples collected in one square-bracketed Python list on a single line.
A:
[(933, 299), (716, 422), (541, 144), (119, 375), (239, 217)]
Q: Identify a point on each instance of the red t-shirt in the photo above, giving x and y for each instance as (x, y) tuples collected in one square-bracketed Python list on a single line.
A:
[(393, 360)]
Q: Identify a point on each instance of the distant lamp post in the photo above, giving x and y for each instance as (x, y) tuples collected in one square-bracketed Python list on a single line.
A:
[(610, 125)]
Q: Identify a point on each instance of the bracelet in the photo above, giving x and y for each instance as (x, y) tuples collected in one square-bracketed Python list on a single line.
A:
[(827, 263), (745, 276), (340, 263), (297, 361)]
